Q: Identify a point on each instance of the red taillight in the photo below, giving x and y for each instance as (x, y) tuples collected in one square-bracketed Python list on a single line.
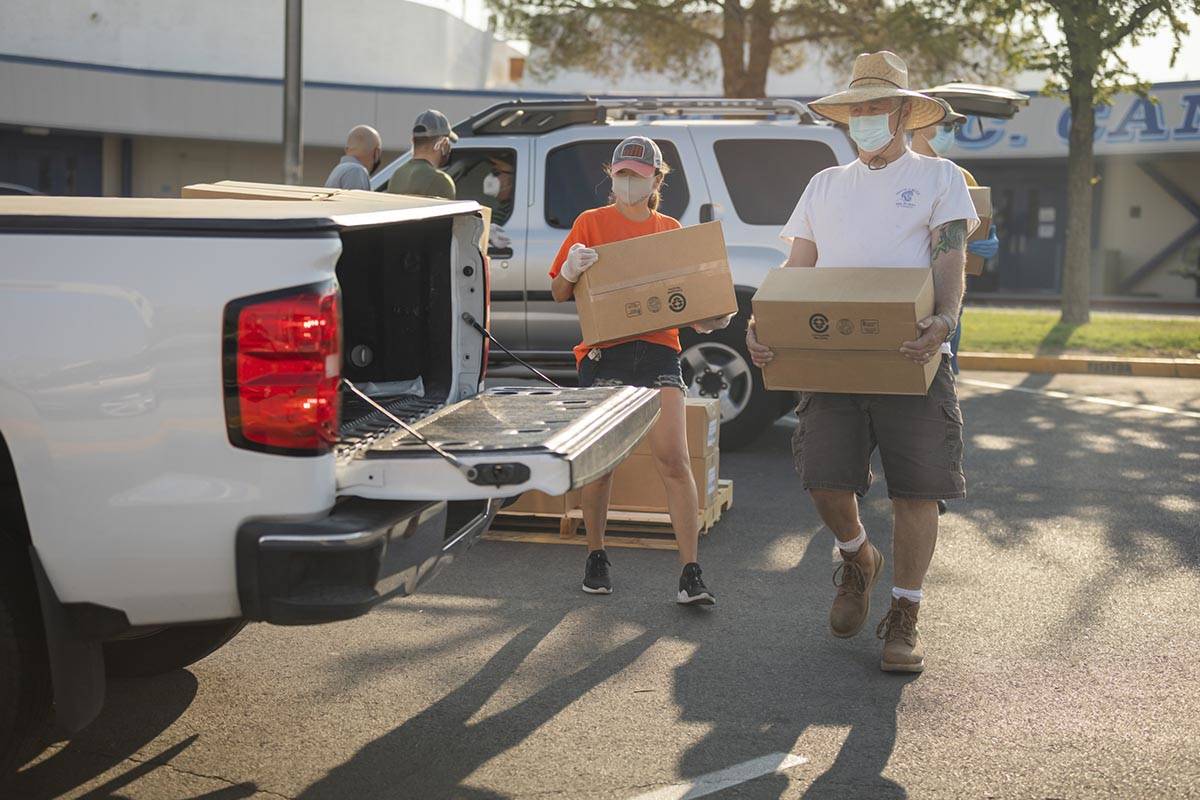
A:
[(283, 369)]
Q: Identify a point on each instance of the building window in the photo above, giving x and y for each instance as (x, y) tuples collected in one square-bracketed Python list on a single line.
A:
[(766, 177), (575, 180)]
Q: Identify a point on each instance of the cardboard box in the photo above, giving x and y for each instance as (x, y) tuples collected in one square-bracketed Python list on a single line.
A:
[(637, 485), (840, 329), (656, 282), (835, 308), (535, 502), (703, 423), (981, 196)]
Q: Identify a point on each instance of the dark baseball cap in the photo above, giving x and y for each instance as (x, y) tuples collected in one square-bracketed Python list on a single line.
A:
[(433, 123)]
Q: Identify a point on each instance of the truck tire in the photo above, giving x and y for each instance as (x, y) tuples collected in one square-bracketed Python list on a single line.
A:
[(24, 666), (718, 365), (168, 649)]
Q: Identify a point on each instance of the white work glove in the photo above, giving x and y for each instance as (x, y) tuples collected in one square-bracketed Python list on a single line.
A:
[(714, 324), (498, 238), (579, 258)]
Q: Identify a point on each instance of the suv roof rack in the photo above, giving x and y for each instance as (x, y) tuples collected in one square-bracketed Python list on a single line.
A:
[(543, 116)]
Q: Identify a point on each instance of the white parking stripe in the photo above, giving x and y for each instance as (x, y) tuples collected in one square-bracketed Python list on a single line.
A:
[(1103, 401), (723, 779)]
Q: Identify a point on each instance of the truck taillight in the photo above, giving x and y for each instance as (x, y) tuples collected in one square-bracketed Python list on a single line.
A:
[(283, 369)]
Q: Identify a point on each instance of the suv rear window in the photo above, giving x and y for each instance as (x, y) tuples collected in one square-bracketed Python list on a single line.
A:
[(575, 180), (766, 177)]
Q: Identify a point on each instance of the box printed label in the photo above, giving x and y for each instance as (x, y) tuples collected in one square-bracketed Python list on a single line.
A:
[(633, 309)]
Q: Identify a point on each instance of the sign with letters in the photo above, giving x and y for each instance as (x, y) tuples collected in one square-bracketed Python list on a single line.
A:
[(1167, 120)]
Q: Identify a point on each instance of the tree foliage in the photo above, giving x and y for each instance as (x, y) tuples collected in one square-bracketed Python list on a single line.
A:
[(750, 38), (1078, 42)]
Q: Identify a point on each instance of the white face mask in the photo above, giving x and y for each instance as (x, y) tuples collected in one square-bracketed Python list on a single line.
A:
[(872, 132), (632, 189), (940, 142), (491, 185)]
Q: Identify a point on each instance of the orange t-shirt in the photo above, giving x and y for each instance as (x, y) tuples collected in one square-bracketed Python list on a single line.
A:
[(606, 225)]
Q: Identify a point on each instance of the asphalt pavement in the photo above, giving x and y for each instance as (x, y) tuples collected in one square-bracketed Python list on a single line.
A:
[(1062, 621)]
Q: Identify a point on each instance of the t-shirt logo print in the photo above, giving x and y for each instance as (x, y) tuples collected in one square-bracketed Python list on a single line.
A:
[(907, 198)]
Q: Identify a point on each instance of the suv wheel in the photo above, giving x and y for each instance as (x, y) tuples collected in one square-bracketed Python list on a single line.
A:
[(168, 649), (718, 365), (24, 665)]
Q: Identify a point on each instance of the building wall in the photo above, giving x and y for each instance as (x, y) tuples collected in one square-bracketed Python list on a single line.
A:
[(1161, 219), (162, 166), (379, 42)]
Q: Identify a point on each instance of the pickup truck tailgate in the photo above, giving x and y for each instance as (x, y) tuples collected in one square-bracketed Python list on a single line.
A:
[(512, 440)]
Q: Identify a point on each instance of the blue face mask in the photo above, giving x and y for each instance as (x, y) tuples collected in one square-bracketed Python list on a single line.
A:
[(871, 133), (940, 142)]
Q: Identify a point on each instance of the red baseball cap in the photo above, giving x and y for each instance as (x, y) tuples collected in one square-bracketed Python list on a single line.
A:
[(639, 154)]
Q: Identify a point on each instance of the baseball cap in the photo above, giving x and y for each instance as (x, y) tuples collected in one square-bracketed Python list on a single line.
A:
[(639, 154), (433, 123)]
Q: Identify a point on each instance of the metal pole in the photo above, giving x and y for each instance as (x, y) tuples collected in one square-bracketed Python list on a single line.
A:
[(293, 90)]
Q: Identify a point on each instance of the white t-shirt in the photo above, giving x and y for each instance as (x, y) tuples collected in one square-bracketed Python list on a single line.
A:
[(860, 217)]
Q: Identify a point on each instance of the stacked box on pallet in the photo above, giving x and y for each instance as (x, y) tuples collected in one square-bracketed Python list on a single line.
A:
[(636, 483), (536, 502)]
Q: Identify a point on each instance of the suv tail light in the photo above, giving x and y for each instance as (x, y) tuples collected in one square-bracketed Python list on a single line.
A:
[(283, 364)]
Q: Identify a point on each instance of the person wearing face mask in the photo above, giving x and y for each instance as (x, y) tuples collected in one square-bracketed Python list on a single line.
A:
[(364, 148), (935, 141), (422, 175), (890, 207), (651, 360)]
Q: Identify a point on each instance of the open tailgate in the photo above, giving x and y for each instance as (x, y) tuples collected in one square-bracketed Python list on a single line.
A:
[(512, 440)]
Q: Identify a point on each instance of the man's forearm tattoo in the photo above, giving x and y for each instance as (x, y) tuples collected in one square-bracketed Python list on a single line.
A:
[(951, 236)]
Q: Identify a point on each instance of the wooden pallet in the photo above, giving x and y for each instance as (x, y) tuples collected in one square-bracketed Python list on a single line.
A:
[(645, 529)]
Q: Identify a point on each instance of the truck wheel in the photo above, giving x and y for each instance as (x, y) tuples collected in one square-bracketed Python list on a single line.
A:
[(718, 365), (168, 649), (24, 665)]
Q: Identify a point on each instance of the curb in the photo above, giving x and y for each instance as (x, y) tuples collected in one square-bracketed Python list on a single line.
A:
[(1085, 365)]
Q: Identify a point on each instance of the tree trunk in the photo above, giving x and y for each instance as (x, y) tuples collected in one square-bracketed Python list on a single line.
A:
[(1077, 266), (762, 22), (733, 49)]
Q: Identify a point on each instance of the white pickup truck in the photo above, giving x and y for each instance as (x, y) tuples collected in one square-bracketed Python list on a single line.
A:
[(183, 448)]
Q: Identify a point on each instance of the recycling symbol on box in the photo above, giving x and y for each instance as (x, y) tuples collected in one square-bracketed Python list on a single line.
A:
[(676, 302)]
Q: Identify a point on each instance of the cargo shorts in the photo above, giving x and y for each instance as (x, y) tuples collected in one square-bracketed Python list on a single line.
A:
[(920, 441)]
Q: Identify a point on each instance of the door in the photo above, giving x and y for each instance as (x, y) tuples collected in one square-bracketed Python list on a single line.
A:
[(1029, 211), (571, 181), (499, 176), (500, 444), (54, 164)]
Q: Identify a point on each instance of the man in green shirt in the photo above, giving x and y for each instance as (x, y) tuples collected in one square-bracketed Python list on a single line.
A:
[(431, 140)]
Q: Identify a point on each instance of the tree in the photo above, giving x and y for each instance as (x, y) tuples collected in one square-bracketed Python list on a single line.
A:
[(1082, 60), (612, 38)]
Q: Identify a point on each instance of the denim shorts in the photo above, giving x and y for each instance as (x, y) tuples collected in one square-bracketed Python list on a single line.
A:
[(636, 363)]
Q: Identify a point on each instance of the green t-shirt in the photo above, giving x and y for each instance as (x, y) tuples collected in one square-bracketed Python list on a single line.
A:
[(421, 178)]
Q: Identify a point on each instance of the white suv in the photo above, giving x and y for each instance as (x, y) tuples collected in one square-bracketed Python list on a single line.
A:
[(743, 162)]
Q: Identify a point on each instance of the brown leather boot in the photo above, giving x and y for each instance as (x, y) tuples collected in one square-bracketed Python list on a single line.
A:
[(854, 577), (902, 648)]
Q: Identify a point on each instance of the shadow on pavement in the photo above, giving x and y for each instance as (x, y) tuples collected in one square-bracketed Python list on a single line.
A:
[(433, 752), (135, 714)]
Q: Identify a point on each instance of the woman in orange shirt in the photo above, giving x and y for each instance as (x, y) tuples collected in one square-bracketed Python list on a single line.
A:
[(651, 360)]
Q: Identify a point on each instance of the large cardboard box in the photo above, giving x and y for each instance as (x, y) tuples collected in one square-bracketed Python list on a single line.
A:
[(535, 502), (656, 282), (981, 196), (840, 329), (703, 423), (637, 485)]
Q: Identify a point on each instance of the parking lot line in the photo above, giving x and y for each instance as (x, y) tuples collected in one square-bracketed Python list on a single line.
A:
[(1103, 401), (723, 779)]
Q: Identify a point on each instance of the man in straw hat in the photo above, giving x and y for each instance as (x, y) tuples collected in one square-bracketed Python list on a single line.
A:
[(888, 208)]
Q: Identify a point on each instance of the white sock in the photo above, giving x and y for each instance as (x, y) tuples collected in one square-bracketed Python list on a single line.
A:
[(911, 595), (855, 543)]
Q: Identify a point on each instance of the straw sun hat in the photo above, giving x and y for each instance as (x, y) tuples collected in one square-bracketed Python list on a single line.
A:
[(876, 76)]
